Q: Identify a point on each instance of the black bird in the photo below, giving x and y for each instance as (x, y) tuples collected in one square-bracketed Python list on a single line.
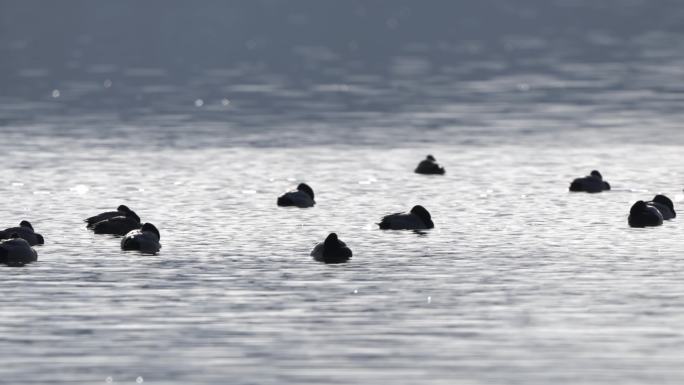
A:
[(642, 215), (16, 251), (121, 211), (592, 183), (664, 205), (302, 197), (332, 250), (25, 232), (429, 166), (145, 240), (118, 225), (418, 219)]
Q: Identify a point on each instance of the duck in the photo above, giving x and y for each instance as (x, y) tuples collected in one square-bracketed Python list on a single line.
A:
[(642, 215), (664, 205), (302, 197), (118, 225), (332, 250), (429, 166), (417, 219), (145, 240), (122, 210), (592, 183), (16, 251), (24, 231)]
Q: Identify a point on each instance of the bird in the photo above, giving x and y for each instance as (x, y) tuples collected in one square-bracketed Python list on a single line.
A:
[(664, 205), (592, 183), (418, 219), (642, 215), (16, 251), (118, 225), (25, 232), (145, 240), (332, 250), (122, 210), (302, 197), (429, 166)]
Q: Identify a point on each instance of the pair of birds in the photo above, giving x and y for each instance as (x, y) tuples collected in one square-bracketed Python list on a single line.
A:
[(641, 214), (16, 245), (651, 213), (125, 222), (333, 250), (303, 196)]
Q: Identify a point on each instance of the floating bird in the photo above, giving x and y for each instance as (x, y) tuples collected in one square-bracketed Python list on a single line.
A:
[(418, 219), (664, 205), (429, 166), (145, 240), (118, 225), (16, 251), (592, 184), (25, 232), (642, 215), (332, 250), (302, 197), (121, 211)]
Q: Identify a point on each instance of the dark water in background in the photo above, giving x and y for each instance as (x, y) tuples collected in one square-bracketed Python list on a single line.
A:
[(320, 72), (199, 114)]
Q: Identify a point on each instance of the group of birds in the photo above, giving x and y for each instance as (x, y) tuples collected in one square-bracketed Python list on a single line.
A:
[(642, 213), (16, 243), (333, 250)]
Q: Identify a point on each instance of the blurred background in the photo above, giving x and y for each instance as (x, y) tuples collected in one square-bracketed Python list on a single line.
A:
[(308, 71)]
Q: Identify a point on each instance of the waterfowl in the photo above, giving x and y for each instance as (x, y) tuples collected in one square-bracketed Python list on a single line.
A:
[(642, 215), (429, 166), (664, 205), (25, 232), (418, 219), (145, 239), (118, 225), (332, 250), (121, 211), (302, 197), (16, 251), (592, 183)]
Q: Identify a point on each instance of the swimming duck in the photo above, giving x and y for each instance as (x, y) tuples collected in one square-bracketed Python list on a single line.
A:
[(418, 219), (16, 251), (118, 225), (121, 211), (302, 197), (592, 183), (24, 231), (429, 166), (664, 205), (145, 240), (642, 215), (332, 250)]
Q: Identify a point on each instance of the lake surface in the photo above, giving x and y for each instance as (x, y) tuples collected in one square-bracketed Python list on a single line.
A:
[(198, 117)]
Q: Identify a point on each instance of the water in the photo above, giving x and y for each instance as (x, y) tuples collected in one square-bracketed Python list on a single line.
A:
[(520, 282)]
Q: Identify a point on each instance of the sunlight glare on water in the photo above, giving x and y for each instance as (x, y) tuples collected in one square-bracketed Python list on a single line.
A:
[(201, 122)]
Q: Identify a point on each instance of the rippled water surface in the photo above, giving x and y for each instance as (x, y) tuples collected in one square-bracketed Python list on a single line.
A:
[(198, 124)]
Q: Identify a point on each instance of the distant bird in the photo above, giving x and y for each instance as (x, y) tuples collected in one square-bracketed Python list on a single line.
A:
[(145, 240), (332, 250), (302, 197), (664, 205), (118, 225), (592, 184), (16, 251), (418, 219), (121, 211), (642, 215), (25, 232), (429, 166)]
